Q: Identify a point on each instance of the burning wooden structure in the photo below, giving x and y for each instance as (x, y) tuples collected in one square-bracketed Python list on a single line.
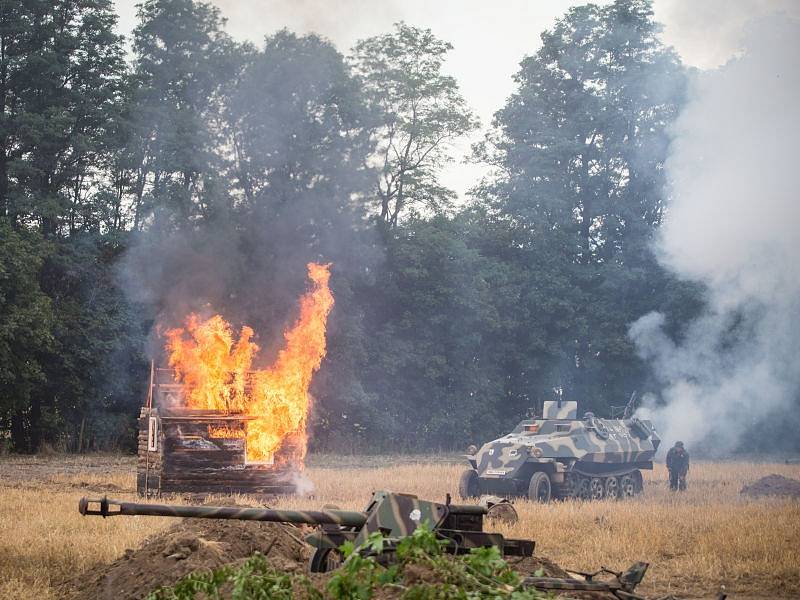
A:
[(216, 423), (185, 450)]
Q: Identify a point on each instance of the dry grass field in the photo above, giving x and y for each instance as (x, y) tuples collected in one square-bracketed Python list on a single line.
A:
[(696, 541)]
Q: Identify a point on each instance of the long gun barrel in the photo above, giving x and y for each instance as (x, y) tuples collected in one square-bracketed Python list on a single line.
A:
[(106, 507)]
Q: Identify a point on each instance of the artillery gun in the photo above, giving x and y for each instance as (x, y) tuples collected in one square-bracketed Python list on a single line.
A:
[(561, 456), (395, 516), (460, 527)]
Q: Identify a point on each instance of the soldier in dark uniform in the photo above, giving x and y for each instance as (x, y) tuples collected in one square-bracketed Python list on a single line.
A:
[(678, 466)]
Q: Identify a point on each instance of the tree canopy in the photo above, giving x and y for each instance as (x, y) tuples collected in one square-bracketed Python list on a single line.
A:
[(579, 150), (202, 173), (419, 111)]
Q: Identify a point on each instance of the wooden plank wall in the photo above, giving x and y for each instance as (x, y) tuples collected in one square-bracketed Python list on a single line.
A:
[(192, 458)]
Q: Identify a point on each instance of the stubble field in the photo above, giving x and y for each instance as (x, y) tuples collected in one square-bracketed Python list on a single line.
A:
[(707, 537)]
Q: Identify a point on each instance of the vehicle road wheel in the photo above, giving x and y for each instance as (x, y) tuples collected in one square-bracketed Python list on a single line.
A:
[(572, 483), (627, 487), (584, 489), (596, 488), (469, 486), (612, 488), (325, 560), (540, 489)]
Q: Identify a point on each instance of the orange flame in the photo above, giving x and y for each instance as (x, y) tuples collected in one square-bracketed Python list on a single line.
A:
[(225, 432), (216, 372)]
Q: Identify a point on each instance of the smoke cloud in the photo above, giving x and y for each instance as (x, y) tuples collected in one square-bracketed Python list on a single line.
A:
[(732, 226)]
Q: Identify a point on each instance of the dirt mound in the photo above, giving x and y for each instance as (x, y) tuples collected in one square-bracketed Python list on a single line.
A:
[(773, 485), (532, 564), (189, 546), (194, 544)]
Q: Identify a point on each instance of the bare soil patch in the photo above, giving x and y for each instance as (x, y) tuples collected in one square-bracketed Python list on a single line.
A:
[(773, 485)]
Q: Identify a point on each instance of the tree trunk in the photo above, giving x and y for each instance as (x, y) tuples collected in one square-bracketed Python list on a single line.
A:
[(141, 177), (19, 440), (80, 434), (4, 202), (587, 199), (244, 176), (35, 424)]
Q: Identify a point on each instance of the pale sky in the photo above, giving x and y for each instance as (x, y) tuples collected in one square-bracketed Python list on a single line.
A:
[(490, 38)]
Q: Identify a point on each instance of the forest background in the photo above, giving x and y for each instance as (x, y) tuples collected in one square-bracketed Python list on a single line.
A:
[(193, 172)]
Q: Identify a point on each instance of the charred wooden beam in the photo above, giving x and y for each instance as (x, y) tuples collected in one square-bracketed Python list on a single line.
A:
[(196, 451)]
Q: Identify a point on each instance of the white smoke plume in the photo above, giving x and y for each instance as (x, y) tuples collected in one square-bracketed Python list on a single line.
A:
[(732, 225)]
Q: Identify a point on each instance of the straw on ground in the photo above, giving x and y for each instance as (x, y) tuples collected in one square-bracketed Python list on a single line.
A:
[(695, 542)]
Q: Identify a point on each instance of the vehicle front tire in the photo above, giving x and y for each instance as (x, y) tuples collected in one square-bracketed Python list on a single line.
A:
[(469, 485), (540, 489)]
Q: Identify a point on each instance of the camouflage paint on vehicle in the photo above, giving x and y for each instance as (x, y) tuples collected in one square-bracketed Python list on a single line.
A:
[(589, 447), (560, 410)]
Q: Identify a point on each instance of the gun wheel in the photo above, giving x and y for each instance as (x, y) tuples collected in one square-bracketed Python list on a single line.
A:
[(612, 488), (596, 488), (627, 487), (325, 560), (504, 512)]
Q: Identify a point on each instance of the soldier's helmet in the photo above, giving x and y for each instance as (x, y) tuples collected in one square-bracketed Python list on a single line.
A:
[(679, 444), (588, 415)]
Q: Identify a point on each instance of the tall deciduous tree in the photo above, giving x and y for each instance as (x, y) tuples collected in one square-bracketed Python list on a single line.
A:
[(183, 61), (298, 123), (420, 112), (62, 74), (61, 71), (585, 133), (26, 322), (579, 148)]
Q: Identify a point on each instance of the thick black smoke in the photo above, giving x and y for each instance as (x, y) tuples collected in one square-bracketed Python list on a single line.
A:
[(287, 185)]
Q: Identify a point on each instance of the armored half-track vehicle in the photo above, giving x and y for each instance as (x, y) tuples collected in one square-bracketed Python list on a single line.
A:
[(561, 456)]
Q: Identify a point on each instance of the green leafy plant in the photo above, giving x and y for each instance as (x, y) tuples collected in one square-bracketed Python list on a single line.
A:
[(360, 574), (253, 580), (416, 567), (206, 582), (422, 543)]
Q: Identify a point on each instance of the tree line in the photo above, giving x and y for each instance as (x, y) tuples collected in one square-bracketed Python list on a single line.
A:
[(192, 170)]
